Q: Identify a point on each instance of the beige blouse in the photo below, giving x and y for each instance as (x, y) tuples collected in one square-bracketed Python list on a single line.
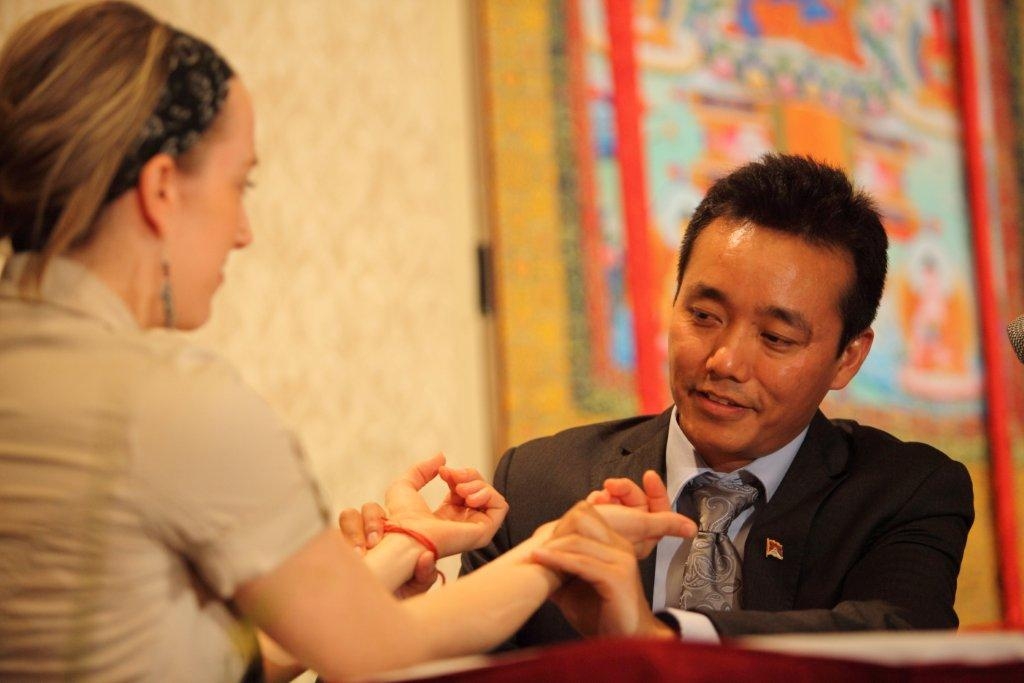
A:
[(141, 482)]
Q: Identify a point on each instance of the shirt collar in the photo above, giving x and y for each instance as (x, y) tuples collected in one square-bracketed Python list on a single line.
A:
[(69, 285), (683, 464)]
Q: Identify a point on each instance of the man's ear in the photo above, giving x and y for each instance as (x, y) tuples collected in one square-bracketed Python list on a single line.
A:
[(852, 358), (158, 193)]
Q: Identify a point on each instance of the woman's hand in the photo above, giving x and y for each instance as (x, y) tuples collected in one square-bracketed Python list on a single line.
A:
[(467, 518)]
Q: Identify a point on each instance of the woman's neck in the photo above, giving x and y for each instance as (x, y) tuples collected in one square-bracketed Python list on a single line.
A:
[(126, 260)]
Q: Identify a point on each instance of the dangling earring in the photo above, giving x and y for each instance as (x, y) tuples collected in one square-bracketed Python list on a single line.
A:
[(166, 295)]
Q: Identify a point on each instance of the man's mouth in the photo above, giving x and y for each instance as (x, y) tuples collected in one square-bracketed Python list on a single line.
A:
[(720, 400)]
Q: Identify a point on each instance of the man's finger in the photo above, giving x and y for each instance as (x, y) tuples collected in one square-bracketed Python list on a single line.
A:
[(583, 519), (669, 524), (637, 525), (425, 573), (627, 492), (603, 574), (657, 494), (351, 524), (599, 550), (373, 523)]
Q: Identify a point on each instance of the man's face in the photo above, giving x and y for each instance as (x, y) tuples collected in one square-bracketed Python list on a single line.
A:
[(753, 339)]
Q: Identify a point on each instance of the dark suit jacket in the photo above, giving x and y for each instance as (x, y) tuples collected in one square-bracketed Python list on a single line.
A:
[(873, 529)]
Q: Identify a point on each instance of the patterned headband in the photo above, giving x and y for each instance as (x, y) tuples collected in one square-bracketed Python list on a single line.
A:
[(197, 83)]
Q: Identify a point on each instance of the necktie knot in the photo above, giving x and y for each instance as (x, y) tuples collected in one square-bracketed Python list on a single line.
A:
[(720, 499), (712, 577)]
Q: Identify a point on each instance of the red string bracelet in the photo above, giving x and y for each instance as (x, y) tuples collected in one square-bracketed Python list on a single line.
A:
[(419, 538)]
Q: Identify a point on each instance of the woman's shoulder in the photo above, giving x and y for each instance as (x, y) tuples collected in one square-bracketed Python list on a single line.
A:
[(171, 355), (194, 413), (195, 383)]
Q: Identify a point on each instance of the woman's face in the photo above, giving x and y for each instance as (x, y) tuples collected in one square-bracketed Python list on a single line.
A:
[(212, 219)]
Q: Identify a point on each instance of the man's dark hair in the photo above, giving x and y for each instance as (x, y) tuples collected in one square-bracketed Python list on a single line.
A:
[(814, 201)]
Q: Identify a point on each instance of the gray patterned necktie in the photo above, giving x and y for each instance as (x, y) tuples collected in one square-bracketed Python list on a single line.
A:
[(712, 578)]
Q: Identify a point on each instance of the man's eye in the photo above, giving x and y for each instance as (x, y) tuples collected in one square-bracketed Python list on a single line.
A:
[(776, 341), (701, 316)]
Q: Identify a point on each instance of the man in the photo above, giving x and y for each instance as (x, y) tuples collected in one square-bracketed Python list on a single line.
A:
[(844, 527)]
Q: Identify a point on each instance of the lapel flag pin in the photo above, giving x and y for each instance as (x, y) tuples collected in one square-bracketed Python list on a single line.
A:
[(773, 548)]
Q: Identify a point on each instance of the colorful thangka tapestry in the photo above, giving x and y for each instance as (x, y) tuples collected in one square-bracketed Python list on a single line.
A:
[(868, 85)]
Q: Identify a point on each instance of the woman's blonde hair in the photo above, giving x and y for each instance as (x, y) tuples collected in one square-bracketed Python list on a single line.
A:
[(77, 84)]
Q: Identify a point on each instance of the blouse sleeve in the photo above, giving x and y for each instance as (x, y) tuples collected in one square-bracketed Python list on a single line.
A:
[(221, 480)]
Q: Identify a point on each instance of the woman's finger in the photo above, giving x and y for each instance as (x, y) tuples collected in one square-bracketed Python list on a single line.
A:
[(422, 472), (468, 488), (460, 475)]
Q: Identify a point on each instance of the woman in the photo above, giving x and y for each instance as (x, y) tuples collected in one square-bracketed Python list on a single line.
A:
[(151, 506)]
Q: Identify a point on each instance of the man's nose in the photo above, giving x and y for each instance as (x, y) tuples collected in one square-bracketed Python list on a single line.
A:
[(731, 356)]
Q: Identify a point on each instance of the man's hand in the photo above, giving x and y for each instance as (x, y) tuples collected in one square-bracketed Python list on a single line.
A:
[(653, 496), (466, 519), (621, 503), (362, 528), (606, 596)]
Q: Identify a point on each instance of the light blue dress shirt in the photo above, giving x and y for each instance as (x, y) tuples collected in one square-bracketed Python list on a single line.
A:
[(683, 464)]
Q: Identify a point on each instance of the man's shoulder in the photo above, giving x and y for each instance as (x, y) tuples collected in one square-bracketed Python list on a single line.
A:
[(575, 460), (879, 449), (625, 433)]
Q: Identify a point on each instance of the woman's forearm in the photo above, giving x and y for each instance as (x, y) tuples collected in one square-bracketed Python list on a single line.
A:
[(324, 606), (279, 666), (482, 609)]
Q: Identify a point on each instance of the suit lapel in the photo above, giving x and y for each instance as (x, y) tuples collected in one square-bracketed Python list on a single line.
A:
[(771, 583), (644, 452)]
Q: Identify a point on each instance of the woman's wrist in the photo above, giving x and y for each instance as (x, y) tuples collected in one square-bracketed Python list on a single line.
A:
[(421, 538), (524, 551), (428, 529), (392, 529), (393, 559)]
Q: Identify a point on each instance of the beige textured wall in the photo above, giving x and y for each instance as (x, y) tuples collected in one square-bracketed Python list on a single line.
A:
[(354, 311)]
